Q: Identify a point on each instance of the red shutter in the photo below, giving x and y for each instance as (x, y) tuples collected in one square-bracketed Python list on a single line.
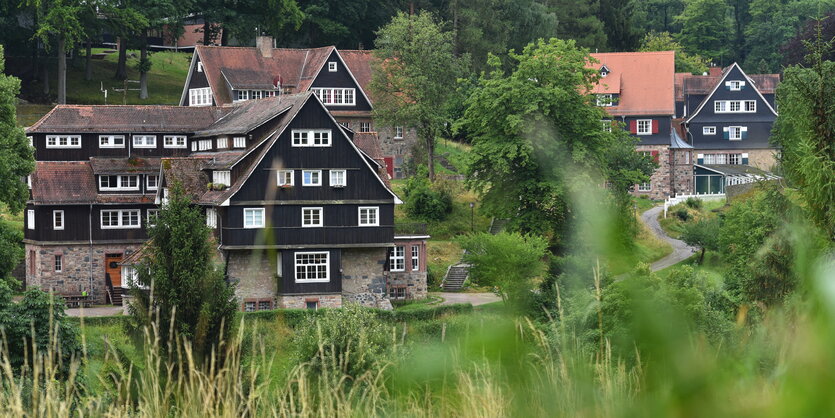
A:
[(654, 153), (654, 126), (633, 126)]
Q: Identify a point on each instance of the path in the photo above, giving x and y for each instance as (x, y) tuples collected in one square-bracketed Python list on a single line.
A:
[(472, 298), (681, 251), (97, 311)]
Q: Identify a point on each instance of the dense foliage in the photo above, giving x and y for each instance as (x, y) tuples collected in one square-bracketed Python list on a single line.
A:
[(424, 199), (703, 233), (16, 157)]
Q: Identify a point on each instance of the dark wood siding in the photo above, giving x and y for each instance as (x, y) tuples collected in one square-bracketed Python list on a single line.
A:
[(76, 223), (198, 79), (90, 148), (288, 284), (100, 234), (660, 138), (340, 78)]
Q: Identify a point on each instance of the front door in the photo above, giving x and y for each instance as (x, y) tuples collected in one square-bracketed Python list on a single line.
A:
[(113, 269)]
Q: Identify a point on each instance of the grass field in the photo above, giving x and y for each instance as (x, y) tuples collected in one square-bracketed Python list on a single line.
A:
[(454, 152), (674, 223)]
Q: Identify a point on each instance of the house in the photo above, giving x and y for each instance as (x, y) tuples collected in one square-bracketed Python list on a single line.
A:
[(302, 215), (637, 90), (223, 75), (728, 117)]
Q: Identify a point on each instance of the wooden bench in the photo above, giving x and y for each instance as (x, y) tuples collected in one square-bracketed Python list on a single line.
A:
[(77, 299)]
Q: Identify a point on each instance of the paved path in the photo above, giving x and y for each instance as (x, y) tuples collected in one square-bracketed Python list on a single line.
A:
[(473, 298), (97, 311), (681, 251)]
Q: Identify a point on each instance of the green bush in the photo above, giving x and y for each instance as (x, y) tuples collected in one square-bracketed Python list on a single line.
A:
[(693, 203), (424, 200), (682, 214)]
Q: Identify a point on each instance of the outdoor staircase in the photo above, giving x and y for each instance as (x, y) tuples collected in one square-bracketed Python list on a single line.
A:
[(498, 225), (456, 275), (116, 296)]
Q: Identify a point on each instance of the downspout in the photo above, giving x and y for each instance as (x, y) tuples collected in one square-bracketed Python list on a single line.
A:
[(90, 224)]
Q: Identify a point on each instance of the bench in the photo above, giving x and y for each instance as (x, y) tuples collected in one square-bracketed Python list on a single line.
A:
[(76, 300)]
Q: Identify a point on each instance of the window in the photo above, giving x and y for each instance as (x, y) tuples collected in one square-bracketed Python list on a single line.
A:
[(735, 133), (239, 142), (607, 125), (265, 305), (312, 266), (31, 141), (199, 67), (311, 304), (222, 177), (153, 214), (335, 96), (151, 181), (243, 95), (735, 85), (709, 130), (200, 97), (63, 141), (369, 216), (735, 106), (398, 132), (111, 141), (311, 177), (397, 259), (59, 263), (735, 159), (118, 183), (311, 137), (144, 141), (254, 218), (720, 106), (211, 218), (415, 257), (365, 126), (644, 126), (338, 178), (285, 178), (222, 142), (124, 219), (332, 66), (174, 141), (30, 219), (57, 219), (751, 106), (311, 217), (249, 306), (397, 292), (605, 100), (193, 146), (645, 187), (204, 144)]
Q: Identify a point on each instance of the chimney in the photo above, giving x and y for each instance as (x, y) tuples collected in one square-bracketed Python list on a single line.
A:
[(715, 71), (264, 45)]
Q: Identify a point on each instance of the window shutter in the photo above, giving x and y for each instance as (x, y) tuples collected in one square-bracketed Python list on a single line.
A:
[(654, 126), (654, 154), (700, 159), (727, 85), (744, 130), (726, 133), (741, 85), (633, 126), (745, 158)]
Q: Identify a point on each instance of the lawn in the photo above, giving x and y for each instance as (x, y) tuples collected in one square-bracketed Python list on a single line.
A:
[(455, 153), (681, 214), (647, 249), (712, 268)]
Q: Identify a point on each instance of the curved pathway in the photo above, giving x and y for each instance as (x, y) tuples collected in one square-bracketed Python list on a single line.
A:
[(681, 251)]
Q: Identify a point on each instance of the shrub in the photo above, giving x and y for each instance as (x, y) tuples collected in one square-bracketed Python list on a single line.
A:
[(682, 214), (693, 203), (425, 200)]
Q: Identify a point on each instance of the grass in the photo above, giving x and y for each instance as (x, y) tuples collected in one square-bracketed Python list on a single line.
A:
[(647, 249), (415, 304), (673, 225), (454, 152), (713, 269), (440, 255), (14, 219)]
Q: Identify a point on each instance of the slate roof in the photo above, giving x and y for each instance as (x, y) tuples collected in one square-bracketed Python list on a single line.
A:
[(245, 116), (644, 80), (73, 182), (189, 172), (124, 165), (142, 118)]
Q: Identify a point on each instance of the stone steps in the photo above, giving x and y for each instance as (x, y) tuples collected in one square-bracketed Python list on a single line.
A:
[(455, 277)]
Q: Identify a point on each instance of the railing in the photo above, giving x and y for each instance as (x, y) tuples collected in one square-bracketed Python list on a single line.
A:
[(672, 201), (109, 287), (413, 228)]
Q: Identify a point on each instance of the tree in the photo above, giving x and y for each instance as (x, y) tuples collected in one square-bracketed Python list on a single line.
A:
[(62, 21), (11, 251), (685, 63), (415, 76), (124, 20), (771, 26), (704, 234), (424, 201), (795, 49), (16, 159), (617, 18), (578, 20), (187, 285), (704, 28), (509, 261), (657, 15), (805, 131), (537, 137)]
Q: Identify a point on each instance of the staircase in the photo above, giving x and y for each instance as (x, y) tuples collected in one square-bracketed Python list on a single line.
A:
[(116, 296), (498, 225), (456, 275)]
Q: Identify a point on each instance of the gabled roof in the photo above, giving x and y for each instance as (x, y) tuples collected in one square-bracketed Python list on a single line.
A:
[(644, 81), (720, 82), (110, 118), (359, 63), (73, 182), (188, 171), (687, 83), (245, 116)]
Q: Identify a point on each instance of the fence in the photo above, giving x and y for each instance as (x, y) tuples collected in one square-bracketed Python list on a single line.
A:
[(672, 201)]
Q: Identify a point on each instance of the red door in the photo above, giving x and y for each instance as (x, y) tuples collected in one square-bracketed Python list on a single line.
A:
[(389, 166)]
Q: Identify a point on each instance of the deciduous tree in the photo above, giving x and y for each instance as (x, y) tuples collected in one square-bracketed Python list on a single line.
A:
[(704, 29), (16, 159), (663, 41), (61, 20)]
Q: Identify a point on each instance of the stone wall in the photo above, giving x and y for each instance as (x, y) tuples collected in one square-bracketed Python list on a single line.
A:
[(399, 148), (82, 269), (363, 279), (300, 301), (413, 281), (660, 179), (253, 274), (682, 171), (764, 159)]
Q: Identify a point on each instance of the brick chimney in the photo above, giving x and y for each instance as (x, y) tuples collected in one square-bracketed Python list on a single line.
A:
[(264, 45), (715, 71)]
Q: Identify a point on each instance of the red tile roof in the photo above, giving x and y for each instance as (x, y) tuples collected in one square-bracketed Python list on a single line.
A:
[(109, 118), (644, 81), (369, 143)]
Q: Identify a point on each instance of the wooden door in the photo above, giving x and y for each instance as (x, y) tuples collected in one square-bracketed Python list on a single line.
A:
[(112, 267)]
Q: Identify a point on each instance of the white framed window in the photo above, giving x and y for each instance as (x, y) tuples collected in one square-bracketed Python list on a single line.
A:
[(118, 183), (335, 96), (29, 181), (397, 259), (398, 132), (415, 257), (59, 263), (223, 177), (211, 218), (750, 106), (200, 97), (199, 67), (284, 178), (193, 146), (174, 141), (735, 85), (58, 220), (312, 266), (152, 216), (735, 106), (311, 137), (30, 219), (63, 141), (709, 130), (720, 106), (605, 100), (645, 187), (735, 133), (311, 177), (644, 127), (253, 218), (338, 178), (332, 66), (144, 141), (204, 144), (152, 182), (606, 124), (121, 219), (239, 142), (111, 141), (735, 159), (369, 216), (222, 142), (31, 141), (312, 217), (365, 126)]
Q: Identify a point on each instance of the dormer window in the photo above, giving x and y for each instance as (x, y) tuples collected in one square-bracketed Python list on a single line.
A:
[(332, 66), (604, 71), (144, 141), (605, 100), (119, 183), (222, 177)]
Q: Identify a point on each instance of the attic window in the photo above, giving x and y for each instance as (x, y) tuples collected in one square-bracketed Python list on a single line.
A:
[(222, 177), (199, 67), (332, 66), (604, 71)]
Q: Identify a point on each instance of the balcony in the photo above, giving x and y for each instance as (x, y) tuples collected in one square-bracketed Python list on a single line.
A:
[(409, 229)]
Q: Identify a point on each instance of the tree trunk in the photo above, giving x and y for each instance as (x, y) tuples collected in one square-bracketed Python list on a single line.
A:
[(62, 70), (224, 37), (702, 256), (430, 153), (207, 32), (122, 65), (143, 76), (88, 61), (45, 78)]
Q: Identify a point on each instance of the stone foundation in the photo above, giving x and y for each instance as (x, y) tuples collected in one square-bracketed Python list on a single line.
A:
[(674, 174), (764, 159), (682, 171), (414, 282), (253, 274), (300, 301), (363, 279)]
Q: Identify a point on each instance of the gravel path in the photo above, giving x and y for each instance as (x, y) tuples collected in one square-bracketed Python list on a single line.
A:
[(472, 298), (97, 311), (681, 251)]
